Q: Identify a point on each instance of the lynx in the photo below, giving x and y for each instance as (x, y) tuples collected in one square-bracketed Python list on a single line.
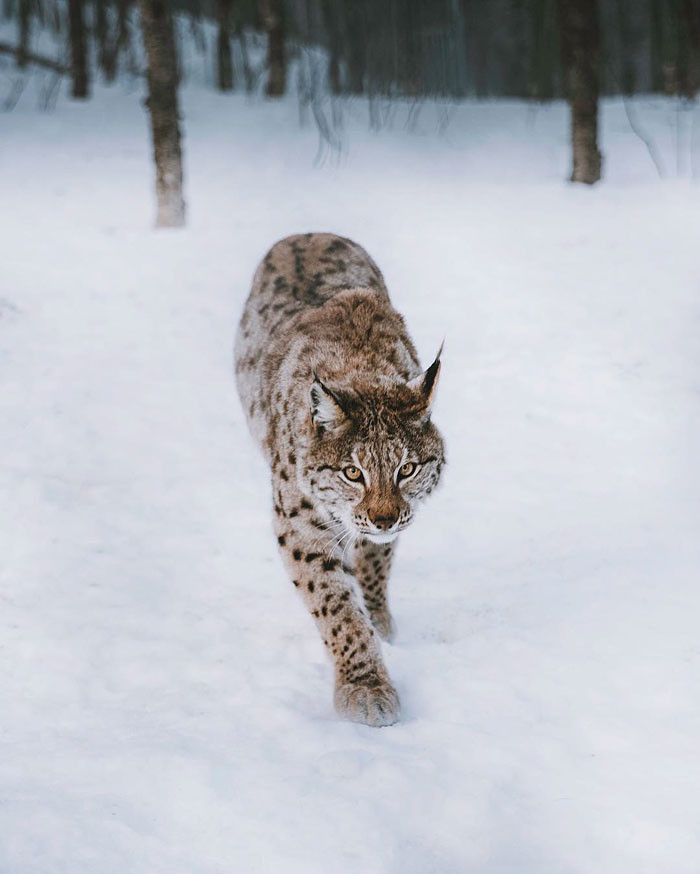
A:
[(334, 394)]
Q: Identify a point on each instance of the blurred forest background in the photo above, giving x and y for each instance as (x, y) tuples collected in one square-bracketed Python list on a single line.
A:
[(412, 49), (408, 48), (164, 698)]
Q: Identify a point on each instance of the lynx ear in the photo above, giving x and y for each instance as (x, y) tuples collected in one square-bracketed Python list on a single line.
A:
[(326, 410), (424, 386)]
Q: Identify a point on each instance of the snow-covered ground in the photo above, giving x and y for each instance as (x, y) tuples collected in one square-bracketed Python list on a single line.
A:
[(165, 703)]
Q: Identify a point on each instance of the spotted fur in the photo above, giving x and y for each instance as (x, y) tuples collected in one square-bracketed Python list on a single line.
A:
[(334, 394)]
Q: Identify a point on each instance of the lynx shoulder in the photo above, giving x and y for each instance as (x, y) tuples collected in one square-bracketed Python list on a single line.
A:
[(335, 396)]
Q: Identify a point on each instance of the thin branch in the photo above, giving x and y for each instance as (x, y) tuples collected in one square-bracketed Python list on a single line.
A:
[(636, 127), (31, 58), (18, 87), (50, 92)]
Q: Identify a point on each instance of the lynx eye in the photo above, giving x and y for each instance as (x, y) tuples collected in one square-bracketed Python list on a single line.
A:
[(407, 470), (354, 474)]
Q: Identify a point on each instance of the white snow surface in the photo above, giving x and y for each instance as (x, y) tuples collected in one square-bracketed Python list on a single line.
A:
[(165, 701)]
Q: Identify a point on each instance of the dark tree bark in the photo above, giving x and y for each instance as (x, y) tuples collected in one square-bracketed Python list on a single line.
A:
[(272, 19), (25, 18), (656, 46), (580, 46), (224, 61), (78, 51), (408, 52), (356, 46), (543, 62), (672, 47), (100, 33), (691, 22), (475, 46), (626, 48), (330, 23), (118, 43), (159, 43)]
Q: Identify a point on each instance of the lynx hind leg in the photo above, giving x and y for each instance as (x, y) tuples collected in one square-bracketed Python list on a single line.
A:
[(363, 691), (372, 567)]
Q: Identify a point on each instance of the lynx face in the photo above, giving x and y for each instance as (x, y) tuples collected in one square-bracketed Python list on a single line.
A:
[(376, 454)]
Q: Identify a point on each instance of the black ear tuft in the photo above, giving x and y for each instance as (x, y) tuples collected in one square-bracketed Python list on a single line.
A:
[(425, 385), (430, 378), (326, 410)]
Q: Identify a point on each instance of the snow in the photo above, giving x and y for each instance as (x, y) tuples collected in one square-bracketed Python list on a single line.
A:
[(165, 703)]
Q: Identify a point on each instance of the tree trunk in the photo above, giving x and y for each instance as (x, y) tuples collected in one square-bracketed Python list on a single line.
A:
[(272, 19), (656, 46), (159, 44), (408, 52), (224, 67), (25, 18), (580, 42), (544, 60), (100, 33), (691, 22), (626, 48), (330, 23), (248, 75), (356, 46), (78, 52), (118, 43)]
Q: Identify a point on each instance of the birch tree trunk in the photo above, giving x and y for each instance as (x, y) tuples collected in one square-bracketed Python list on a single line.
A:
[(159, 44), (78, 52), (580, 44)]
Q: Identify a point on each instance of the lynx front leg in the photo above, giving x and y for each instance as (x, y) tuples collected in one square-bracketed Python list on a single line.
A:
[(372, 566), (363, 690)]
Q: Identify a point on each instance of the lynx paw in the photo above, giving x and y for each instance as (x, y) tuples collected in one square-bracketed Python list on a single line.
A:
[(384, 625), (374, 702)]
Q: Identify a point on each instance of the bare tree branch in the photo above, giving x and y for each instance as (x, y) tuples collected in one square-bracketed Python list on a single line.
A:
[(31, 58), (636, 127), (644, 137)]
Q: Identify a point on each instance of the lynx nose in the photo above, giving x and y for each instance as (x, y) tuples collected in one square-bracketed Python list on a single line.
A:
[(385, 520)]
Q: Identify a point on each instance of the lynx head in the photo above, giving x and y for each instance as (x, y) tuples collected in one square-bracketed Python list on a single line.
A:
[(375, 454)]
